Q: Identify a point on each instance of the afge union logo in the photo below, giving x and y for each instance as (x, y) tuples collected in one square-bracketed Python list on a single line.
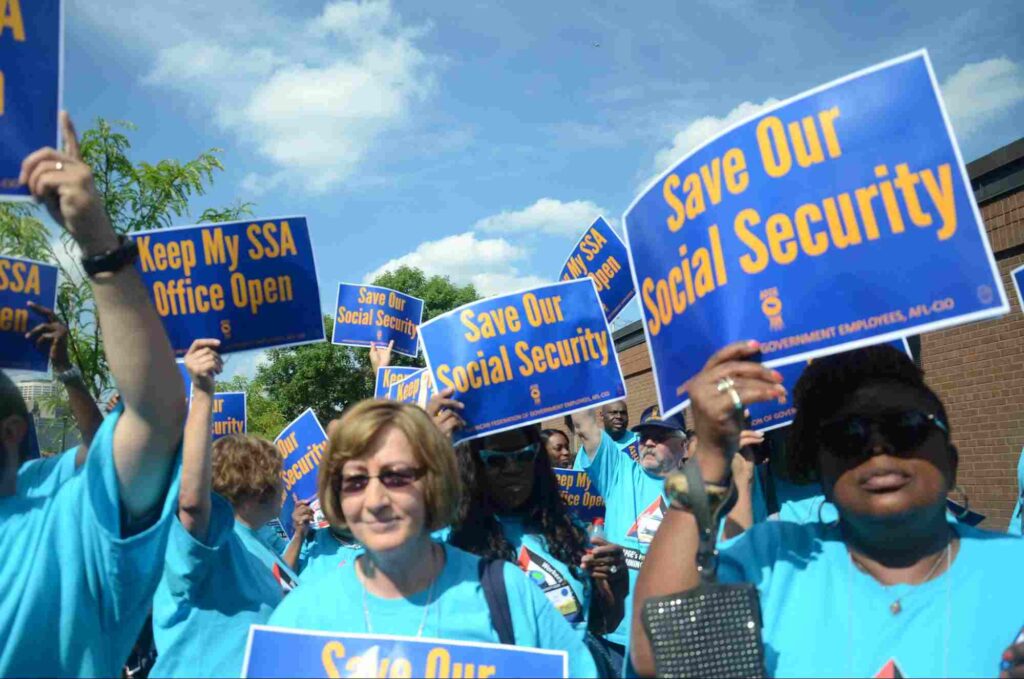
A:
[(535, 394), (771, 306), (225, 328)]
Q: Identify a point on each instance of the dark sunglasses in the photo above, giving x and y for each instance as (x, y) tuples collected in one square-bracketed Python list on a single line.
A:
[(905, 431), (389, 478), (500, 459)]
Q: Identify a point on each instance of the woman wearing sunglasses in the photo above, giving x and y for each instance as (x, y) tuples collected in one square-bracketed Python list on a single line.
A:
[(515, 512), (390, 477), (891, 582)]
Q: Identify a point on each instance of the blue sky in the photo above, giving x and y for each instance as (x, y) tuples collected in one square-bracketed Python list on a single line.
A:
[(479, 139)]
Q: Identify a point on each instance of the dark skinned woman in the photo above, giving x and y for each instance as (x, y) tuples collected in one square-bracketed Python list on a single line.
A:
[(556, 444), (892, 581)]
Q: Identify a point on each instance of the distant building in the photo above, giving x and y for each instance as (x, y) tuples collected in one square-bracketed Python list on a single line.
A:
[(35, 393)]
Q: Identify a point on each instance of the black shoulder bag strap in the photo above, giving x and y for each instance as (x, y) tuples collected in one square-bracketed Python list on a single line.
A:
[(492, 579)]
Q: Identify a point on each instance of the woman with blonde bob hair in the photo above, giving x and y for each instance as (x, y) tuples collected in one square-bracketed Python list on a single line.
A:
[(390, 478)]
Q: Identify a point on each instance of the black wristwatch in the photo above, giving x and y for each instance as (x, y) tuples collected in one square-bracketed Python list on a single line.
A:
[(114, 260)]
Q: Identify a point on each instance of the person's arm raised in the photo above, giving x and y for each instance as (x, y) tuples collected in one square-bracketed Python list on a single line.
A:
[(588, 428), (302, 516), (137, 349), (194, 505), (380, 356), (671, 562)]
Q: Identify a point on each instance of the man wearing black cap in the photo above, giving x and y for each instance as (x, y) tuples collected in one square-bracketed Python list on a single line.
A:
[(632, 491)]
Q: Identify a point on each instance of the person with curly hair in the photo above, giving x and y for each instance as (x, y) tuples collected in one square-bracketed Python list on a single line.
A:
[(219, 576), (891, 581), (515, 512), (390, 477)]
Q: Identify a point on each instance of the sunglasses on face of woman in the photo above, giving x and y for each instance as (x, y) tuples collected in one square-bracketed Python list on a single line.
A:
[(389, 478), (501, 459), (905, 431)]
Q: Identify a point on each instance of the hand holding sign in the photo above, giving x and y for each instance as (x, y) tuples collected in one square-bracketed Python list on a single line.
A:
[(442, 408), (380, 355), (50, 336)]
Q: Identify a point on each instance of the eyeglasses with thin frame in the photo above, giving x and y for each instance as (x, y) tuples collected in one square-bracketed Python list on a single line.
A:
[(850, 436), (389, 478), (500, 459)]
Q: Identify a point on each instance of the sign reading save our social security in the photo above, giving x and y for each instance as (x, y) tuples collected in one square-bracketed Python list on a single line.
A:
[(23, 281), (524, 357), (768, 415), (839, 218), (367, 314), (416, 389), (250, 284), (228, 413), (282, 652), (388, 376), (574, 487), (301, 445), (601, 255), (31, 46)]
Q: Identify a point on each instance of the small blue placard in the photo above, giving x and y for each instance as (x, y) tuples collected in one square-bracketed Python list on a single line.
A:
[(301, 445), (768, 415), (416, 389), (578, 495), (525, 357), (251, 284), (280, 652), (390, 375), (229, 413), (368, 314), (839, 218), (601, 254), (1017, 275), (23, 281), (31, 62)]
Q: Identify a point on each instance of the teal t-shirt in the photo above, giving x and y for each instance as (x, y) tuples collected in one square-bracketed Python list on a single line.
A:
[(322, 551), (823, 617), (628, 443), (75, 592), (1015, 520), (208, 596), (458, 610), (634, 507), (569, 595)]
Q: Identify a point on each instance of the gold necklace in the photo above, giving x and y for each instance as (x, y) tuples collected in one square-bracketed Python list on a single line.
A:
[(896, 607)]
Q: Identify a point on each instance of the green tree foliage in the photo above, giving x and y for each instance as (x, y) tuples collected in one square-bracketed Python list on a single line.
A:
[(327, 378), (262, 415), (138, 196)]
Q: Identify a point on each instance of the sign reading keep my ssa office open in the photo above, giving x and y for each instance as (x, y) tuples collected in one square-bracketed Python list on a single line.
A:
[(840, 218), (601, 254)]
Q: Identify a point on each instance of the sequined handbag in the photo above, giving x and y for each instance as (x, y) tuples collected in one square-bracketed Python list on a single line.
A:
[(714, 629)]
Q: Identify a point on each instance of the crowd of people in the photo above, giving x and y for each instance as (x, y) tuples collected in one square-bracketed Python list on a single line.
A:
[(151, 534)]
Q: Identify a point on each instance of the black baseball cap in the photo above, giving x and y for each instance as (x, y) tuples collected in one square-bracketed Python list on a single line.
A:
[(651, 417)]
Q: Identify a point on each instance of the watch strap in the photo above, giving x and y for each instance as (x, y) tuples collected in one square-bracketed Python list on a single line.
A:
[(114, 260)]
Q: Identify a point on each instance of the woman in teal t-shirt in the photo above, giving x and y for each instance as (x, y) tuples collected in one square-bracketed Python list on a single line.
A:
[(389, 476)]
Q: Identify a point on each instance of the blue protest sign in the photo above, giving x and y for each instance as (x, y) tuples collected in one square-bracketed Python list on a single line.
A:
[(250, 284), (416, 389), (601, 254), (301, 445), (574, 487), (23, 281), (368, 314), (228, 413), (31, 56), (768, 415), (390, 375), (1017, 275), (280, 652), (524, 357), (839, 218)]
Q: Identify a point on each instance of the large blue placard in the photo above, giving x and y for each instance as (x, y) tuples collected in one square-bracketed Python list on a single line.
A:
[(840, 218), (301, 445), (31, 49), (368, 314), (578, 495), (279, 652), (768, 415), (601, 254), (229, 415), (525, 357), (1017, 275), (390, 375), (23, 281), (416, 389), (251, 284)]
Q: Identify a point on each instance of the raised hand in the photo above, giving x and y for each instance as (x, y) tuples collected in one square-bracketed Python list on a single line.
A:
[(380, 356), (204, 363), (443, 409), (50, 336)]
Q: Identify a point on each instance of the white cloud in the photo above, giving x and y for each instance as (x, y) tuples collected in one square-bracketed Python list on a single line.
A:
[(315, 100), (490, 264), (981, 92), (547, 216), (701, 130)]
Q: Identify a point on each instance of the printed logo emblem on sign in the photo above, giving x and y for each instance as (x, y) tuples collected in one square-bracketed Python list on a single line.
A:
[(820, 225)]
